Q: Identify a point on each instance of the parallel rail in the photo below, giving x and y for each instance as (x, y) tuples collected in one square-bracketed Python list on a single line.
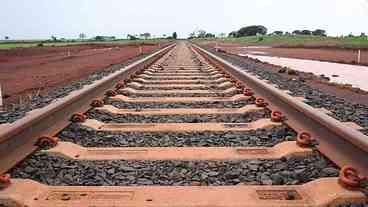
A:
[(17, 139), (340, 143)]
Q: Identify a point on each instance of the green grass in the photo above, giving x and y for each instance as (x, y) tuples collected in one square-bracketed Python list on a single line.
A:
[(297, 41), (25, 44)]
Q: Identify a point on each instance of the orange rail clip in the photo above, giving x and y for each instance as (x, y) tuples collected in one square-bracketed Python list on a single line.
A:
[(78, 117), (350, 178), (248, 92), (304, 139), (47, 141), (260, 102), (97, 103), (111, 93), (4, 181), (276, 116)]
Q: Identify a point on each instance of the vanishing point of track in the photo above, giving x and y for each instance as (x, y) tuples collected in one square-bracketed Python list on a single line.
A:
[(181, 127)]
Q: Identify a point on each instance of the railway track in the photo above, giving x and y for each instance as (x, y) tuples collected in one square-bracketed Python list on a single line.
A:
[(181, 127)]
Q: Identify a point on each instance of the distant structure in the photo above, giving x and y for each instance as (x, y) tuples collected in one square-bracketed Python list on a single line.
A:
[(104, 38), (82, 36)]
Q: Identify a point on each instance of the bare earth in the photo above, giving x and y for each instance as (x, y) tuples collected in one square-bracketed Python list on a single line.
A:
[(26, 70)]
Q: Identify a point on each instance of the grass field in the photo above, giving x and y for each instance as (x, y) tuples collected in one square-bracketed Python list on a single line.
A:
[(297, 41), (25, 44)]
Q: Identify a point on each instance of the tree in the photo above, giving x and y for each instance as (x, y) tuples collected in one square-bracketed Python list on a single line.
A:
[(201, 33), (278, 32), (306, 32), (175, 35), (191, 35), (6, 37), (209, 35), (233, 34), (252, 30), (319, 32), (131, 37), (99, 38), (145, 35), (82, 36), (54, 38), (302, 32), (198, 34)]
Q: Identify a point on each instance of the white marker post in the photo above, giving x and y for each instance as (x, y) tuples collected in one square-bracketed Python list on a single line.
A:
[(358, 56), (140, 49)]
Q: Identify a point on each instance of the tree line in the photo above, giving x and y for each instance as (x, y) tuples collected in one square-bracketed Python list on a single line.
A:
[(147, 35), (83, 36), (262, 30), (201, 34), (254, 30)]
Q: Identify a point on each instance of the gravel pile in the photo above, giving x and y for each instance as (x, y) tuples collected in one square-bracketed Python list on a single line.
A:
[(16, 111), (108, 117), (341, 109), (213, 104), (91, 138), (285, 171)]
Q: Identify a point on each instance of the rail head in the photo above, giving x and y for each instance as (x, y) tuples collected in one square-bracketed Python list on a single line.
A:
[(334, 134)]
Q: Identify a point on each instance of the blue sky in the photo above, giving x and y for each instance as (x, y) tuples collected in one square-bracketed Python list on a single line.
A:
[(24, 19)]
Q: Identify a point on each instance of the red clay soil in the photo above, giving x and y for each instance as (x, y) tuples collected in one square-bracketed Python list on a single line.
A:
[(26, 70), (348, 56)]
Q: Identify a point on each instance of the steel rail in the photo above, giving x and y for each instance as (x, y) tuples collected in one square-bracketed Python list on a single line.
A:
[(340, 143), (17, 139)]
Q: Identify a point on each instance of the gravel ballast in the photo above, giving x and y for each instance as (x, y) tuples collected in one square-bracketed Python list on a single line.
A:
[(209, 94), (204, 87), (285, 171), (108, 117), (213, 104), (88, 137), (179, 78)]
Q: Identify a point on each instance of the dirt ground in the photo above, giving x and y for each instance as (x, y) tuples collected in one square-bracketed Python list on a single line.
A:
[(24, 71), (347, 56)]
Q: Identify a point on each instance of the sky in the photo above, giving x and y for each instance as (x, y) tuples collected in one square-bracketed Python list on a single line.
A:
[(39, 19)]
